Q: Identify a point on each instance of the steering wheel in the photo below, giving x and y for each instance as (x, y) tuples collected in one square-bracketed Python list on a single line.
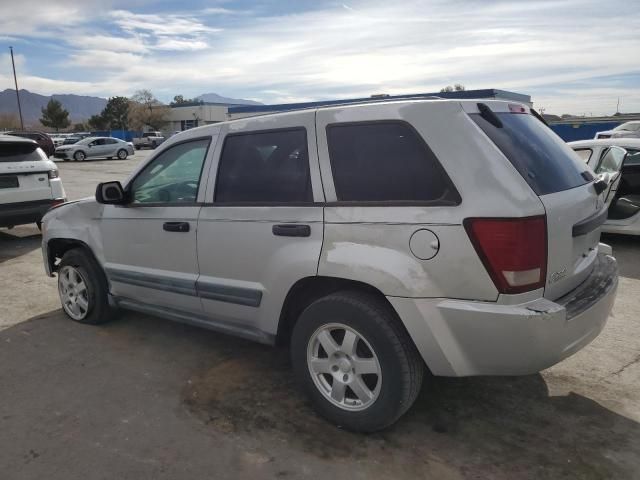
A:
[(179, 191)]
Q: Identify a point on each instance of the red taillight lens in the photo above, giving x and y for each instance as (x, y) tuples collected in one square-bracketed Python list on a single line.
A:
[(513, 250)]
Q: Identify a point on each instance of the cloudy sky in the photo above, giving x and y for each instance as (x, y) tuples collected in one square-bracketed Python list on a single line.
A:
[(572, 56)]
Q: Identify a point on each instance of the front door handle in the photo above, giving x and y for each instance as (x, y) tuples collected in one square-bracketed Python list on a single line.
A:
[(176, 227), (291, 230)]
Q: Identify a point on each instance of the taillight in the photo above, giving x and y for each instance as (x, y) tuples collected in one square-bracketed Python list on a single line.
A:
[(53, 174), (513, 250)]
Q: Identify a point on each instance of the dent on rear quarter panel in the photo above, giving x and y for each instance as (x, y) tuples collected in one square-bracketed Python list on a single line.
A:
[(379, 255)]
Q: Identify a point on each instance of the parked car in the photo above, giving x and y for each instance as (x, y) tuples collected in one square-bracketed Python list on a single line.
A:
[(95, 147), (29, 182), (148, 140), (623, 167), (626, 130), (378, 240), (43, 140)]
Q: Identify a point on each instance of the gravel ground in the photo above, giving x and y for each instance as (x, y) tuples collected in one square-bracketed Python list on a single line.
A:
[(147, 398)]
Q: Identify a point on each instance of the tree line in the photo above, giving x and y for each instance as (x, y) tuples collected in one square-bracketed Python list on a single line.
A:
[(142, 110)]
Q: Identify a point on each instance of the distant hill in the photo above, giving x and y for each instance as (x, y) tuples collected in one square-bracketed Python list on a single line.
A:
[(80, 107), (215, 98)]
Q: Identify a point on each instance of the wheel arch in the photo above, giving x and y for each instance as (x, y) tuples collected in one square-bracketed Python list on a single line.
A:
[(309, 289), (57, 247)]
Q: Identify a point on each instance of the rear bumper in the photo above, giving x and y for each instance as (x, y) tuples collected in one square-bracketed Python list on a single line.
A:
[(21, 213), (463, 338)]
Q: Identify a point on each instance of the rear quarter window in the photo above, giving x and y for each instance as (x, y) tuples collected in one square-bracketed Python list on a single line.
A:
[(543, 159)]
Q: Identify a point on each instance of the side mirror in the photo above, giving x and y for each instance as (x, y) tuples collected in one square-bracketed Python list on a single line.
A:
[(110, 193)]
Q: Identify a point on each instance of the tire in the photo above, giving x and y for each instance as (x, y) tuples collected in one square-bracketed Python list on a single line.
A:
[(137, 147), (79, 156), (153, 145), (80, 264), (382, 342), (122, 154)]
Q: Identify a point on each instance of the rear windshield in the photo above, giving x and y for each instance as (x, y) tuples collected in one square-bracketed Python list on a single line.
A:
[(19, 152), (542, 158)]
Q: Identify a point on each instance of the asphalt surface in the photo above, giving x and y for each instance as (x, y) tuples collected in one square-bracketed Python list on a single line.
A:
[(145, 398)]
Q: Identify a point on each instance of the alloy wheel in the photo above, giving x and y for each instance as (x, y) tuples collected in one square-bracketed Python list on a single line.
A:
[(344, 367), (73, 292)]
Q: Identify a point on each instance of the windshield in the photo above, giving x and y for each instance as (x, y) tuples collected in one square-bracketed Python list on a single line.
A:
[(630, 127), (545, 161)]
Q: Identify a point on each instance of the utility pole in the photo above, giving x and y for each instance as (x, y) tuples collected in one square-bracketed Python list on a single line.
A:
[(15, 79)]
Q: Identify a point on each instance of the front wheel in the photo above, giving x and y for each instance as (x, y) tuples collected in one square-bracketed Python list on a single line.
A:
[(356, 361), (82, 287), (79, 156)]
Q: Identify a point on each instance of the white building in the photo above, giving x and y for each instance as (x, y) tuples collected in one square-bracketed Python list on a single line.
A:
[(195, 114)]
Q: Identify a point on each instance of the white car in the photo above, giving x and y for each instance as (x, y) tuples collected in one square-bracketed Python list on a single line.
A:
[(29, 182), (623, 195), (378, 240), (95, 147), (626, 130)]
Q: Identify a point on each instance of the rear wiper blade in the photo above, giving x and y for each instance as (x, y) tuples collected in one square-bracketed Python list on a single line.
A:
[(489, 116)]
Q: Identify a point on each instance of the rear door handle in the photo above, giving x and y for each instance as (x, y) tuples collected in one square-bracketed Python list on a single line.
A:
[(176, 227), (291, 230)]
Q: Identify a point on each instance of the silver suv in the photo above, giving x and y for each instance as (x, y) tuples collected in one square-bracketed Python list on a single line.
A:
[(380, 241)]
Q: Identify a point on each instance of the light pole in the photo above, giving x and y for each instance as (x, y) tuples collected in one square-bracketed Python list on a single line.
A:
[(15, 79)]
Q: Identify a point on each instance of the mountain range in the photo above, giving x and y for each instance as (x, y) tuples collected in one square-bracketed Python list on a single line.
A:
[(80, 107)]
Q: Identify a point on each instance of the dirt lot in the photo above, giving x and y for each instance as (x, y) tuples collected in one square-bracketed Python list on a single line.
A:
[(146, 398)]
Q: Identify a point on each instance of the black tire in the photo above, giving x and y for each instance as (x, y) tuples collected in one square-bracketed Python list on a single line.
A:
[(153, 145), (122, 154), (401, 365), (137, 147), (99, 310), (78, 154)]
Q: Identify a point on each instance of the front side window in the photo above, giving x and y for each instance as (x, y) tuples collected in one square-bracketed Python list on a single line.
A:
[(173, 176), (386, 162), (265, 167), (633, 157)]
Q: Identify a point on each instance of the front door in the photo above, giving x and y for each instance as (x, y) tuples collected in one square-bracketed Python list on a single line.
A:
[(260, 231), (150, 243)]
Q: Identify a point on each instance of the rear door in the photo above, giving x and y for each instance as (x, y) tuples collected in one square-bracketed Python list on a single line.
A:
[(562, 181), (24, 173), (260, 230)]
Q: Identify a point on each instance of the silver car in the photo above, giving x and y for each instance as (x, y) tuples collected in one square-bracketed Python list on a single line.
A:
[(378, 241), (95, 147)]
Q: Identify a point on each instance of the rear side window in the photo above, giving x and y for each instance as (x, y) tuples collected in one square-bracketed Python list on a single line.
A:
[(20, 152), (547, 163), (633, 157), (386, 162), (265, 167)]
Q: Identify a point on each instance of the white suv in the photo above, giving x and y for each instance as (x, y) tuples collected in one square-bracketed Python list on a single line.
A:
[(29, 182), (379, 240)]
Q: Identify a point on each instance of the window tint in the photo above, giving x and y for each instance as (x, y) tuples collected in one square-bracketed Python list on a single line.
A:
[(265, 167), (110, 141), (173, 176), (584, 154), (386, 161), (542, 158), (611, 160)]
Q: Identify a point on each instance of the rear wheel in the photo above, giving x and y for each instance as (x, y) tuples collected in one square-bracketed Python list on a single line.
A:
[(82, 287), (79, 156), (122, 154), (355, 361)]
